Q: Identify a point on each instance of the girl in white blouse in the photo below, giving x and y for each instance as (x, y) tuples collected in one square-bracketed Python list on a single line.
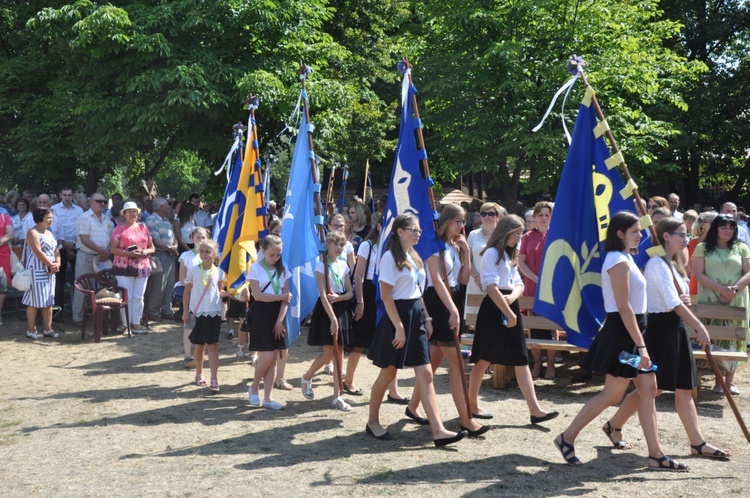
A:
[(668, 343), (402, 334), (624, 292), (499, 337)]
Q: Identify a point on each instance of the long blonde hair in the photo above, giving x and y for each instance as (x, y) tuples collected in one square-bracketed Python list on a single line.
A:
[(500, 235), (404, 222)]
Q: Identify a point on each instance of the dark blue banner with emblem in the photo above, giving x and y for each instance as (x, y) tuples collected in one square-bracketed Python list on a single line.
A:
[(591, 190)]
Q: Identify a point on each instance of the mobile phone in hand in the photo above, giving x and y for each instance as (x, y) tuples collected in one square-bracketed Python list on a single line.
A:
[(132, 248)]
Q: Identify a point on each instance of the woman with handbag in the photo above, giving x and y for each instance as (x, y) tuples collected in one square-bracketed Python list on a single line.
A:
[(131, 245), (6, 229), (43, 260)]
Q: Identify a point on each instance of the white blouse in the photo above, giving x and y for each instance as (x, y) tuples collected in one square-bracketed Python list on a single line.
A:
[(504, 274), (259, 274), (452, 259), (637, 283), (407, 284), (363, 251), (342, 271), (211, 304), (660, 290)]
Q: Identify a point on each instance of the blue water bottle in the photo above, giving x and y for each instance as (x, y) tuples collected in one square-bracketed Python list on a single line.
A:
[(634, 360), (504, 319)]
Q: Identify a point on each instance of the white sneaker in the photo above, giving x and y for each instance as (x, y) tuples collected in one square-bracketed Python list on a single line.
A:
[(328, 368), (33, 334), (254, 399), (240, 353), (306, 386), (273, 405), (51, 334)]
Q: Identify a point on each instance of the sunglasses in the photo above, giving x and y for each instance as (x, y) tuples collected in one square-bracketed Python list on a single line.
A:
[(100, 201), (485, 214), (652, 206)]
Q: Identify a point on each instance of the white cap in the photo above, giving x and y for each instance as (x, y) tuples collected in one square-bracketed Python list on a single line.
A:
[(130, 205)]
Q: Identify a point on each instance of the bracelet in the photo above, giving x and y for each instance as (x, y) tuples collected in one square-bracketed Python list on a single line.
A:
[(641, 347), (358, 303), (428, 319)]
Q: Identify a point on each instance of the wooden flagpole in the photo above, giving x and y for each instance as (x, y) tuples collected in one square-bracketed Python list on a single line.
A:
[(654, 238), (425, 167), (303, 71)]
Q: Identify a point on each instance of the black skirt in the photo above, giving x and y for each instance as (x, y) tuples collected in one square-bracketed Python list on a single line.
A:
[(670, 349), (320, 325), (206, 331), (442, 335), (612, 339), (236, 309), (416, 350), (495, 342), (261, 321), (363, 330)]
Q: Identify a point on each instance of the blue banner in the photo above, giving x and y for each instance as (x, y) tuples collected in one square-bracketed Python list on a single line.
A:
[(298, 234), (591, 190)]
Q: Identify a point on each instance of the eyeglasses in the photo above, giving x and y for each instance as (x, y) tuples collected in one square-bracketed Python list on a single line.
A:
[(415, 231), (460, 222), (100, 201), (491, 214), (518, 236)]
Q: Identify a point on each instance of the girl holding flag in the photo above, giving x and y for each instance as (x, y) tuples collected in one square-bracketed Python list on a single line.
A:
[(403, 332)]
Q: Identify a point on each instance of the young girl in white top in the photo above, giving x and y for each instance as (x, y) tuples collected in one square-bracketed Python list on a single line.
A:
[(499, 337), (443, 301), (667, 341), (202, 302), (330, 317), (188, 260), (624, 292), (269, 283), (402, 335)]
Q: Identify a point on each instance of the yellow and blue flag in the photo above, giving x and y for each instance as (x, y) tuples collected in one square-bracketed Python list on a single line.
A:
[(241, 219), (298, 233), (591, 190)]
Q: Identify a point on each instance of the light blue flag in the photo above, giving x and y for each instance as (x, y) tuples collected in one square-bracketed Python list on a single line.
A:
[(409, 191), (591, 190), (298, 234)]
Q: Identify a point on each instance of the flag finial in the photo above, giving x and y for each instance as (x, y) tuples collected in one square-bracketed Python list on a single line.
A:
[(303, 71), (403, 66), (576, 64), (251, 102), (238, 129)]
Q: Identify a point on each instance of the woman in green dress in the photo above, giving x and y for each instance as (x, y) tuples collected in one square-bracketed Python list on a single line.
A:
[(721, 264)]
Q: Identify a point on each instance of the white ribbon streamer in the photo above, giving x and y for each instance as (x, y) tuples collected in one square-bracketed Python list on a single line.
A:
[(567, 86), (228, 159)]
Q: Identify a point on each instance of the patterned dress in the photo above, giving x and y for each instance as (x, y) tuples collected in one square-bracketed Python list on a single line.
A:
[(42, 292), (724, 266)]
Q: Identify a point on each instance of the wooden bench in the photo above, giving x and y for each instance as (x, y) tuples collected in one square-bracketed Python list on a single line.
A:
[(501, 373)]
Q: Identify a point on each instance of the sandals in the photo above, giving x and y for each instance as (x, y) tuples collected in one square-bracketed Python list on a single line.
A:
[(283, 385), (200, 380), (718, 454), (566, 450), (306, 387), (665, 463), (340, 404), (214, 386), (619, 445)]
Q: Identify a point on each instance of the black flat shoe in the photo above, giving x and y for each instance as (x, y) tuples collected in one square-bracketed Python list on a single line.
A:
[(386, 436), (399, 401), (476, 433), (485, 416), (439, 443), (419, 420), (543, 418), (353, 392)]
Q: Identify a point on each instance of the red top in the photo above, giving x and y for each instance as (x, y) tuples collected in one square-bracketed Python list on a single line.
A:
[(532, 246)]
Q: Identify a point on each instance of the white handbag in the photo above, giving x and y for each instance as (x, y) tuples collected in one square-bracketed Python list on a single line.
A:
[(23, 277)]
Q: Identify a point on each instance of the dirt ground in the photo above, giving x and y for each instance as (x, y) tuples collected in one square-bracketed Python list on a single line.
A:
[(123, 418)]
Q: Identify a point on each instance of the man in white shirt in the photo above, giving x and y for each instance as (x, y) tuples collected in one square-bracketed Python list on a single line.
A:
[(201, 217), (160, 285), (674, 205), (730, 209), (42, 201), (63, 227), (93, 230)]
